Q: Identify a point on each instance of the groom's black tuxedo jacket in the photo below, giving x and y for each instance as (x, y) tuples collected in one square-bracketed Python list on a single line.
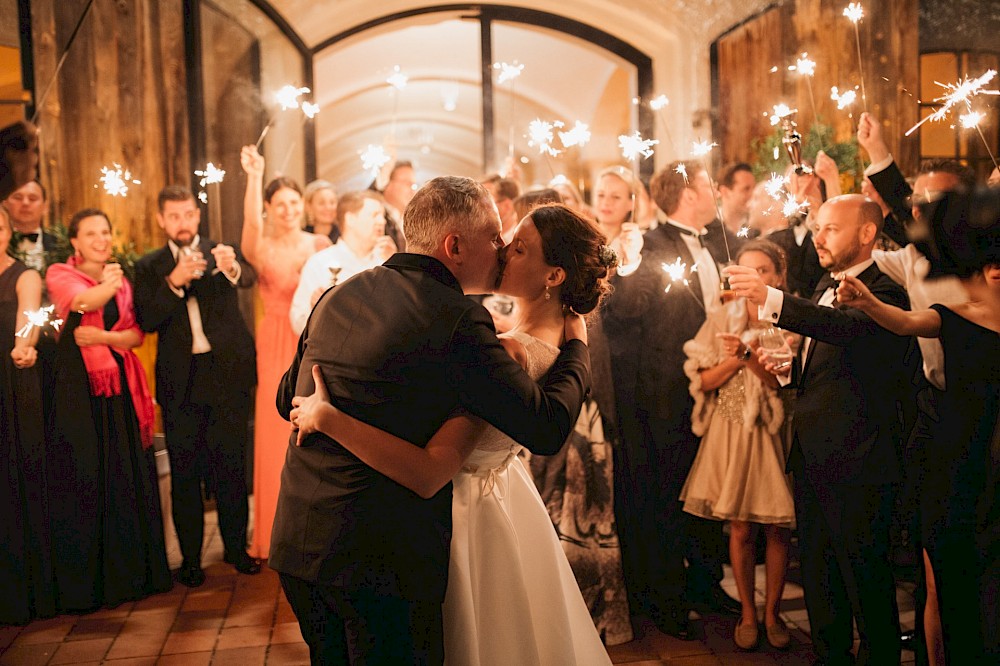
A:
[(158, 309), (402, 348), (847, 418)]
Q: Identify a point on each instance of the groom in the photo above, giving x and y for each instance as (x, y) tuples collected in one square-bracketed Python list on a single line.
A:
[(364, 561)]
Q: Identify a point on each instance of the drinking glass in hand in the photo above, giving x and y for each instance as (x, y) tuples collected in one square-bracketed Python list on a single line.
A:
[(194, 252), (776, 348)]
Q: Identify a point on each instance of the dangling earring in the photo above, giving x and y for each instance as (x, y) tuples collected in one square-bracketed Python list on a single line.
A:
[(547, 294)]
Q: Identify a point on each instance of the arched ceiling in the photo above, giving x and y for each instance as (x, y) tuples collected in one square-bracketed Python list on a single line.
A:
[(563, 79)]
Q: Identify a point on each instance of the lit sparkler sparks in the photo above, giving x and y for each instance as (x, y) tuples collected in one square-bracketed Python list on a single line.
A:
[(211, 174), (397, 79), (310, 109), (678, 273), (116, 181), (960, 92), (578, 136), (843, 99), (540, 134), (374, 158), (39, 319), (744, 232), (682, 169), (855, 13), (971, 120), (658, 103), (702, 148), (288, 96), (775, 185), (805, 66), (780, 112), (508, 71), (792, 207), (633, 145)]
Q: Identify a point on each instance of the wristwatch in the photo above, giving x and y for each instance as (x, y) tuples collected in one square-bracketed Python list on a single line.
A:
[(747, 353)]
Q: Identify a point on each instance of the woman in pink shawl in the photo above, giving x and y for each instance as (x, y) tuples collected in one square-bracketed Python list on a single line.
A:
[(107, 526)]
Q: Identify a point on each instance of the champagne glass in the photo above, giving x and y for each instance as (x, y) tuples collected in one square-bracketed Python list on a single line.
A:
[(776, 348)]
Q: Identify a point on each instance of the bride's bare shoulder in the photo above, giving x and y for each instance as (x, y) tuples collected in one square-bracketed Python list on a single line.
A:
[(515, 348)]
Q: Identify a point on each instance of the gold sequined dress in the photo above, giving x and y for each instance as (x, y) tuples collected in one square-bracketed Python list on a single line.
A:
[(739, 472)]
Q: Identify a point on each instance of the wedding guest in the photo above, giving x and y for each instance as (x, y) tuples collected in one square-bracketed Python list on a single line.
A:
[(571, 196), (845, 428), (277, 256), (186, 294), (739, 472), (614, 205), (320, 200), (26, 589), (507, 569), (504, 192), (736, 184), (648, 319), (107, 529), (399, 188), (362, 245), (27, 206)]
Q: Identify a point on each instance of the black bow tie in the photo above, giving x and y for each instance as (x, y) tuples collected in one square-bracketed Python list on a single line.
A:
[(692, 234), (32, 237), (825, 282)]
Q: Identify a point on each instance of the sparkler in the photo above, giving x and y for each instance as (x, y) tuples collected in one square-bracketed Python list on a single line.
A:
[(658, 104), (288, 98), (39, 319), (62, 60), (843, 99), (682, 169), (397, 82), (211, 175), (781, 111), (508, 73), (807, 68), (633, 145), (960, 92), (678, 273), (540, 134), (972, 119), (855, 13), (373, 158), (578, 136), (116, 181), (775, 185), (744, 232)]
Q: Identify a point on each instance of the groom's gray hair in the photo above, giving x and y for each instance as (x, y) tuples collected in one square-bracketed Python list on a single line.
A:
[(445, 205)]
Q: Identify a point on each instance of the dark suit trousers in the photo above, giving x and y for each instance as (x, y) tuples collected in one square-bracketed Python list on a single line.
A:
[(658, 535), (844, 539), (359, 627), (207, 439)]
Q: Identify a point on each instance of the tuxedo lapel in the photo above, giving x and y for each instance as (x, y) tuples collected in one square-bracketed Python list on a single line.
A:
[(674, 243)]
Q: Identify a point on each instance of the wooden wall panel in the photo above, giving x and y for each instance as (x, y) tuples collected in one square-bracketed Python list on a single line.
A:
[(747, 87), (120, 98)]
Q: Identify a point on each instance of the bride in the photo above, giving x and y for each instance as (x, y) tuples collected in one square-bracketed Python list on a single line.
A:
[(512, 597)]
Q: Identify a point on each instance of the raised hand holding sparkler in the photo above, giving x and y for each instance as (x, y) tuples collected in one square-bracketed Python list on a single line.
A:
[(288, 98)]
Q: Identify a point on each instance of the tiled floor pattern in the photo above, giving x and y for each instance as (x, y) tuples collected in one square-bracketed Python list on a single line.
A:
[(245, 621)]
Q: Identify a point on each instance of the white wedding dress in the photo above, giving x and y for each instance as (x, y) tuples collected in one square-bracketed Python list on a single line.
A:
[(512, 597)]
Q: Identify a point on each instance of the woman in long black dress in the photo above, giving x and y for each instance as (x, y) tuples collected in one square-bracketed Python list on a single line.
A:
[(957, 466), (107, 526), (25, 569)]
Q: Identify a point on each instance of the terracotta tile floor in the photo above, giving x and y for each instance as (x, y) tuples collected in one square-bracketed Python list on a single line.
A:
[(245, 621)]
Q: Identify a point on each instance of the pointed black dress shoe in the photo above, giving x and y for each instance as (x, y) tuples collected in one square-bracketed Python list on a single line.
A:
[(676, 625), (190, 575), (244, 564)]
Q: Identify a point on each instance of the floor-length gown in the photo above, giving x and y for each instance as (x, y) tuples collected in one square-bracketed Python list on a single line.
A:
[(739, 471), (576, 485), (512, 597), (107, 523), (275, 349), (25, 568), (959, 482)]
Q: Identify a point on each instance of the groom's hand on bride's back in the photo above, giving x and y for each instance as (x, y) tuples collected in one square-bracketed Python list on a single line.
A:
[(574, 327)]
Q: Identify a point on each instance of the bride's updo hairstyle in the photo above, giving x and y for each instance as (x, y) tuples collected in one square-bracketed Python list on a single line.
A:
[(578, 246)]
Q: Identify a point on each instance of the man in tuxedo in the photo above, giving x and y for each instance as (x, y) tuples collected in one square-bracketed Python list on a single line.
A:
[(849, 375), (397, 191), (364, 561), (27, 206), (647, 320), (205, 369)]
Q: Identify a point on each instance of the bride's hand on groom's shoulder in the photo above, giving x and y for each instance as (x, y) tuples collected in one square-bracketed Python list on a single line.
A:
[(307, 413), (574, 327)]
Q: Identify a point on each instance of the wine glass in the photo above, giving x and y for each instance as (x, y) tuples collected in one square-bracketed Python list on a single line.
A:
[(776, 348)]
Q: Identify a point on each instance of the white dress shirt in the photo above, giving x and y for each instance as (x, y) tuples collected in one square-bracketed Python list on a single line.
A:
[(708, 272), (199, 341), (316, 274)]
